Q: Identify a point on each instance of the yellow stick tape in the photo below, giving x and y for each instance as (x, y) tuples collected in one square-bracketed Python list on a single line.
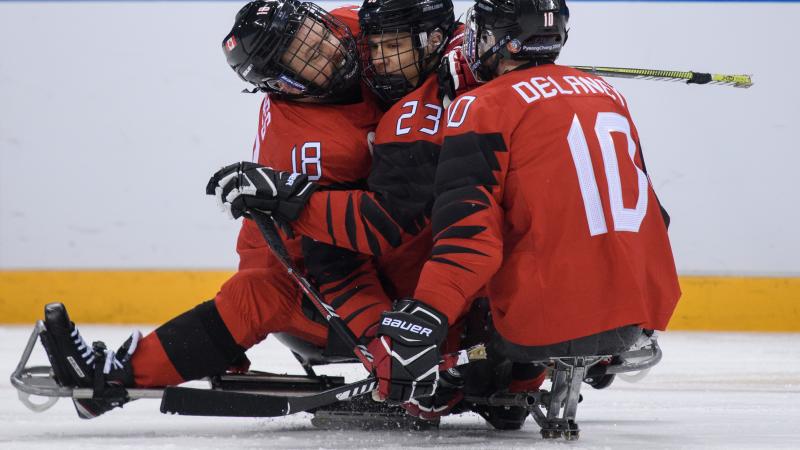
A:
[(708, 303)]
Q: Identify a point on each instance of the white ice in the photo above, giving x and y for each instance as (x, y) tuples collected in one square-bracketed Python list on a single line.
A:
[(712, 390)]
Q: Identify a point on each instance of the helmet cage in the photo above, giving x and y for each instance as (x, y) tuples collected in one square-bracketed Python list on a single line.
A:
[(393, 22), (280, 40), (394, 85)]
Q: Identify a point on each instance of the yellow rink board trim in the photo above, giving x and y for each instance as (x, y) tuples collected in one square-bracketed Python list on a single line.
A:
[(106, 296), (708, 303)]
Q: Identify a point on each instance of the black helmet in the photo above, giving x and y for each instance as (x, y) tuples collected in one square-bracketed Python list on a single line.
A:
[(387, 19), (277, 44), (533, 29)]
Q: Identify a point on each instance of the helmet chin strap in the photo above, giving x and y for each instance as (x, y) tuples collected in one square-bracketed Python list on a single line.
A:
[(486, 70)]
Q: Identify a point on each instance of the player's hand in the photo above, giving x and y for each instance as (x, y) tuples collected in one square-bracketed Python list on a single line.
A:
[(406, 351), (454, 75), (448, 394), (243, 186)]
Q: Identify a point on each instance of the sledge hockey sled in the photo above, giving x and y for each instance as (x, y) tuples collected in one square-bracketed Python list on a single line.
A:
[(334, 403), (39, 381), (555, 410)]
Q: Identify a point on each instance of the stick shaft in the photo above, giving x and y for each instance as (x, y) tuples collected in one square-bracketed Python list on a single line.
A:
[(267, 227), (740, 81)]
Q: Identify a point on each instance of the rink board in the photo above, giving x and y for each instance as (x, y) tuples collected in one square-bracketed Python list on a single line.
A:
[(708, 303)]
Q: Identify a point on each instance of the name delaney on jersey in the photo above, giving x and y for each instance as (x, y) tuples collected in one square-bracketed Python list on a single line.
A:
[(537, 88)]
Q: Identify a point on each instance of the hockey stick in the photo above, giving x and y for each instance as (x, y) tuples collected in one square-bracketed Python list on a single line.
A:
[(739, 81), (206, 402), (267, 226)]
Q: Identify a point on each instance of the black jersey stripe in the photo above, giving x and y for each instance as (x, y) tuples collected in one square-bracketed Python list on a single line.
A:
[(451, 213), (326, 264), (448, 249), (439, 259), (350, 223), (329, 218), (402, 178), (347, 295), (664, 213), (343, 284), (460, 232), (463, 194), (372, 241), (469, 159), (380, 220), (357, 312)]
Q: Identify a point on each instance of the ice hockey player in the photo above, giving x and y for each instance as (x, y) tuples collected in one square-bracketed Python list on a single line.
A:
[(543, 197), (404, 40), (316, 117)]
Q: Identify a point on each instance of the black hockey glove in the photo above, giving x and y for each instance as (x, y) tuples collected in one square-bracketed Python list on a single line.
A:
[(406, 351), (243, 186)]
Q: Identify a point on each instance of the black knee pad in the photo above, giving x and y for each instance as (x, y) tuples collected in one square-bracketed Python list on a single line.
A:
[(198, 343)]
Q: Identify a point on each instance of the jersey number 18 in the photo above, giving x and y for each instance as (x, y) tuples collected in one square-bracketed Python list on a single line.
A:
[(310, 161)]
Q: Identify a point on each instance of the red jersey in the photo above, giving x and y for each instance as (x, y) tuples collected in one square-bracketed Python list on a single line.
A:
[(391, 219), (542, 194), (329, 143)]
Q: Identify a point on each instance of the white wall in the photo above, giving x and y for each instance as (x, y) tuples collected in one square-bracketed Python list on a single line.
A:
[(114, 115)]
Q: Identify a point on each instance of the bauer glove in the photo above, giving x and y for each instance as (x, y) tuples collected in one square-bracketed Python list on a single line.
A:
[(406, 351), (243, 186)]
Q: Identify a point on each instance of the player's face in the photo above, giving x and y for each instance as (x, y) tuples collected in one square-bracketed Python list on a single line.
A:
[(314, 54), (477, 41), (394, 54)]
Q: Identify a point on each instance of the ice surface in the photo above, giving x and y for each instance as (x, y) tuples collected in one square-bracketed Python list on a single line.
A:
[(711, 390)]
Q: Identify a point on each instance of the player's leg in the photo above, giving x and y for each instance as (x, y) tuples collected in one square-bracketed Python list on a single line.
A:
[(203, 341), (213, 336), (78, 364)]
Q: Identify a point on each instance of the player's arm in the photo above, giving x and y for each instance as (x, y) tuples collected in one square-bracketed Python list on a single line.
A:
[(467, 214), (348, 281), (467, 227), (395, 208)]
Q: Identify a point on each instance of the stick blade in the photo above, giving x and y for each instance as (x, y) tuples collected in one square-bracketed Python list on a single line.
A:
[(205, 402)]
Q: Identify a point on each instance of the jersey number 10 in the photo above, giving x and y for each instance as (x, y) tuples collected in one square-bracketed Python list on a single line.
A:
[(625, 219)]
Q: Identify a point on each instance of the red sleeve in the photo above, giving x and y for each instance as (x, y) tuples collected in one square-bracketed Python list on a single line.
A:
[(398, 202), (361, 221), (467, 216), (395, 209)]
